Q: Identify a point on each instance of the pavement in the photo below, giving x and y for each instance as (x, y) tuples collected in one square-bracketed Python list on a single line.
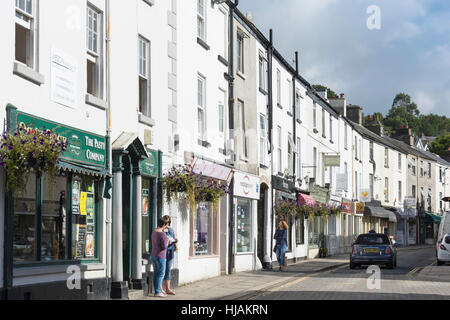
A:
[(244, 285)]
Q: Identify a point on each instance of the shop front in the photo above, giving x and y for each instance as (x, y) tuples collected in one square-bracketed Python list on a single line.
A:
[(55, 225), (284, 189), (332, 237), (381, 219), (345, 224), (246, 196)]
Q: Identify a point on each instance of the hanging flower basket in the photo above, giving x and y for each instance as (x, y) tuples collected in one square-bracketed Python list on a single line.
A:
[(27, 151), (179, 181), (286, 207)]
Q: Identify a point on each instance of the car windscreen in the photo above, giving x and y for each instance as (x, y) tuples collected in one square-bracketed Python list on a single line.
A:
[(447, 240), (372, 239)]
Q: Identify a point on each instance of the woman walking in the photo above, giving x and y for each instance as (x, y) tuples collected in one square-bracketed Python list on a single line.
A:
[(158, 256), (170, 254), (281, 243)]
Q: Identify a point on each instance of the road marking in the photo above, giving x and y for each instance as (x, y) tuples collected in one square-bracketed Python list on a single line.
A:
[(293, 282), (413, 271)]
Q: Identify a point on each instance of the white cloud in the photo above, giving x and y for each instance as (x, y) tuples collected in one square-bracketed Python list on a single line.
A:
[(425, 101)]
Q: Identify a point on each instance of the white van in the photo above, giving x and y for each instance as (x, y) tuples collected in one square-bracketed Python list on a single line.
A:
[(443, 240)]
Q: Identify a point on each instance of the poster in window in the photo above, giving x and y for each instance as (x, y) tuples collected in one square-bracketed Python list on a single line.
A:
[(76, 197), (145, 193), (80, 242), (83, 202), (90, 208), (90, 252)]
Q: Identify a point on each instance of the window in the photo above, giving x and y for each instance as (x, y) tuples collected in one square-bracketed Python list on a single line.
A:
[(356, 148), (240, 52), (262, 72), (222, 110), (201, 20), (203, 237), (300, 230), (429, 170), (356, 186), (315, 116), (315, 230), (440, 174), (297, 105), (413, 192), (421, 168), (262, 139), (147, 212), (323, 124), (386, 189), (42, 221), (315, 163), (400, 196), (242, 138), (331, 128), (400, 162), (94, 52), (413, 166), (280, 158), (244, 230), (371, 186), (386, 157), (290, 96), (345, 136), (278, 87), (25, 32), (225, 33), (201, 106), (371, 150), (144, 77), (299, 158), (221, 117), (440, 202), (290, 149)]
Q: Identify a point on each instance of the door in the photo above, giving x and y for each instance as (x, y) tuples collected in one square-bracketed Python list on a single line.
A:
[(260, 221)]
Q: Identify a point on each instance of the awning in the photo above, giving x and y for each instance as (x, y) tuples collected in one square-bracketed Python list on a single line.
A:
[(380, 212), (435, 218), (81, 169), (305, 199)]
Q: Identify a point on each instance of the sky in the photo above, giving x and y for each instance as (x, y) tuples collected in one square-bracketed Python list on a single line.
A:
[(406, 50)]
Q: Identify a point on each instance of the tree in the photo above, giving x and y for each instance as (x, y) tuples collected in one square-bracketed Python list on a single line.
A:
[(403, 112), (441, 145), (330, 93), (434, 125)]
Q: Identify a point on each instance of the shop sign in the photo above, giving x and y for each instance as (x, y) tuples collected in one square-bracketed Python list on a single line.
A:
[(282, 184), (63, 86), (365, 195), (246, 185), (319, 194), (83, 147), (410, 202), (360, 207), (149, 166), (212, 170), (346, 206), (332, 161)]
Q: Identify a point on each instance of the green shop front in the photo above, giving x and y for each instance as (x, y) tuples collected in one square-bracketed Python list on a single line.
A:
[(137, 200), (54, 226)]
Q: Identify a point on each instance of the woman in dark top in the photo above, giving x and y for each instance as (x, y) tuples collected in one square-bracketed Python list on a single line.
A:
[(281, 243), (159, 256), (170, 254)]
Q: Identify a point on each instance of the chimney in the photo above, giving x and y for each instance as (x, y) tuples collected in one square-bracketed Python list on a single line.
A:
[(354, 113), (324, 94), (249, 16), (339, 104), (404, 134), (374, 124)]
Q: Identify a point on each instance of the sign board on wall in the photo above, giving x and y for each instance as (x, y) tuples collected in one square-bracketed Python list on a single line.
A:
[(212, 170), (150, 166), (365, 195), (360, 207), (63, 88), (246, 185), (410, 202), (346, 206), (332, 161)]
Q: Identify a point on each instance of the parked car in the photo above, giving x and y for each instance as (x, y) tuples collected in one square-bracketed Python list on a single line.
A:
[(373, 249), (443, 250)]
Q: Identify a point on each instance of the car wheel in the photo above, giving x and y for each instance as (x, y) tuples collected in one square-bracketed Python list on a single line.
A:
[(439, 262), (352, 265), (390, 265)]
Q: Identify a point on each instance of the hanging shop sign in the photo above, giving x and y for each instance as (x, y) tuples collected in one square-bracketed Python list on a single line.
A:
[(83, 147), (360, 207), (211, 169), (346, 206), (410, 202), (246, 185), (365, 195), (332, 161), (150, 166), (282, 184), (319, 194)]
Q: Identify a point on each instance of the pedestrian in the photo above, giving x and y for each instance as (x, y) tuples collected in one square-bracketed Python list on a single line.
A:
[(281, 243), (159, 256), (170, 254)]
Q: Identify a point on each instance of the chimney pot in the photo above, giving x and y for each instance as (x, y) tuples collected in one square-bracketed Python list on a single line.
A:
[(342, 96)]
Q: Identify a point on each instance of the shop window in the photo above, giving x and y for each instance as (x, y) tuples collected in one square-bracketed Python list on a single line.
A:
[(24, 223), (202, 230), (83, 218), (315, 230), (146, 218), (54, 219), (300, 230), (244, 226)]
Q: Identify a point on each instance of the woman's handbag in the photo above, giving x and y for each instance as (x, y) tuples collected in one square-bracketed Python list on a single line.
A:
[(275, 249)]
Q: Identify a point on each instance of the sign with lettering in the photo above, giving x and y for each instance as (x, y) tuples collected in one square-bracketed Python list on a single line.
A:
[(346, 206), (150, 166), (360, 207), (410, 202), (212, 170), (63, 88), (332, 161), (246, 185), (319, 194), (83, 147)]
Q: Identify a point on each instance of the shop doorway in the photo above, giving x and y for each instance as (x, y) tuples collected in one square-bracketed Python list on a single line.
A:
[(262, 209)]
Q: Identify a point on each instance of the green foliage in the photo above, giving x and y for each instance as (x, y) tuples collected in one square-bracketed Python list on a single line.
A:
[(441, 145), (330, 93), (29, 150)]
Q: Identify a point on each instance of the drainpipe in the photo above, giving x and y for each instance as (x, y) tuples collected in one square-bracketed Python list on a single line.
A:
[(231, 133)]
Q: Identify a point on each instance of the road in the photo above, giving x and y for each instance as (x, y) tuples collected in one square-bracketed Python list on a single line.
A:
[(404, 282)]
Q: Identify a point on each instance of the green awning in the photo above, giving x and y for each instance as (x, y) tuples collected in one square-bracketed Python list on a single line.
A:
[(435, 218), (82, 169)]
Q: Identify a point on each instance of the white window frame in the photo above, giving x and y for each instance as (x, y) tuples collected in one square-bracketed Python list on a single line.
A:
[(315, 116), (226, 32), (299, 158), (386, 157), (144, 48), (95, 56), (290, 88), (290, 152), (201, 20), (297, 104), (262, 69), (324, 133), (262, 139), (399, 161), (345, 136), (279, 87), (386, 189), (27, 19), (331, 128), (280, 154), (201, 107), (240, 39), (400, 193), (242, 137)]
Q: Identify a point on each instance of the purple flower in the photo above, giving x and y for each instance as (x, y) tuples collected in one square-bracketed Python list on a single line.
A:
[(10, 147)]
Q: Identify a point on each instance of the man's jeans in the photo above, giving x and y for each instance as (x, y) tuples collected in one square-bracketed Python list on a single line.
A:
[(281, 251), (159, 268)]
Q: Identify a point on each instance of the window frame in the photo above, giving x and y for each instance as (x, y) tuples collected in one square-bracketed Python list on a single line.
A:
[(201, 20), (144, 44), (279, 147), (262, 139), (30, 26), (240, 39), (93, 57), (201, 106)]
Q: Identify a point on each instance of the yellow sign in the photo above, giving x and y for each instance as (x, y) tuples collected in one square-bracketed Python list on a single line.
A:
[(360, 207), (83, 202)]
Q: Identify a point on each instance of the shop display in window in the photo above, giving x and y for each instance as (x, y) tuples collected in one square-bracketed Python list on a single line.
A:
[(75, 197), (244, 226), (201, 228), (145, 202)]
